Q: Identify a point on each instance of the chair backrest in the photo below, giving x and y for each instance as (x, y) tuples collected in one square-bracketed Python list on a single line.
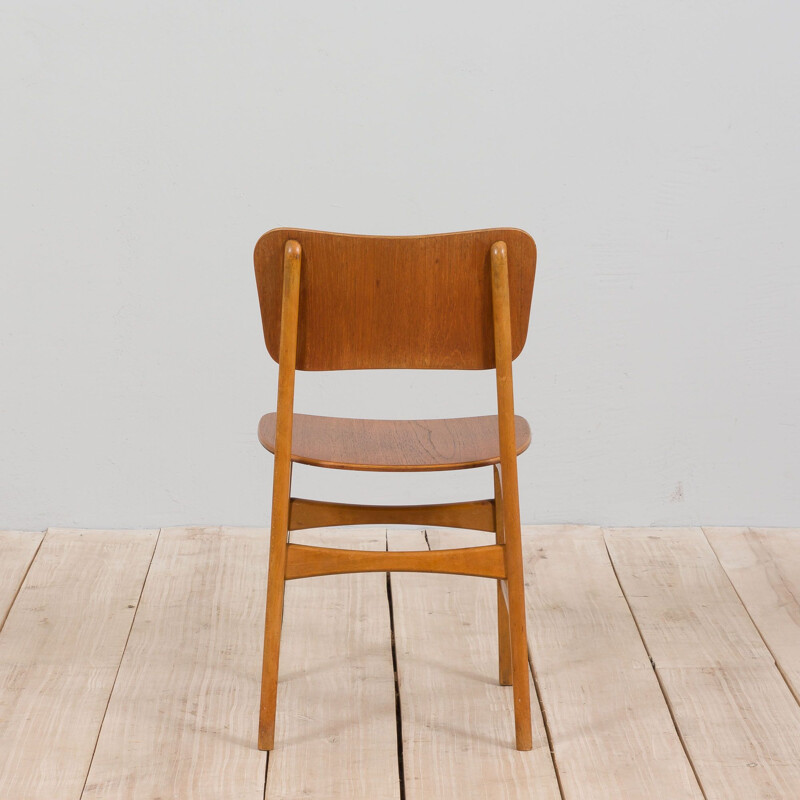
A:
[(384, 302)]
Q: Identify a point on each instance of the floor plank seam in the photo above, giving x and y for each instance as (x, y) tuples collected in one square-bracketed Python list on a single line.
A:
[(397, 705), (546, 724), (22, 582), (119, 665), (655, 672), (722, 698), (761, 636)]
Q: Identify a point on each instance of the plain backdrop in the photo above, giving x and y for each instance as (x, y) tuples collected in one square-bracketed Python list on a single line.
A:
[(650, 148)]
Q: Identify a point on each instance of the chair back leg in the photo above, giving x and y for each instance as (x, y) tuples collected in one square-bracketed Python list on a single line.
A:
[(503, 631), (279, 535), (509, 491), (281, 489), (516, 616)]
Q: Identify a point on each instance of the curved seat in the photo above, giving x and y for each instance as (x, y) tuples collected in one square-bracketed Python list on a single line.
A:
[(388, 445)]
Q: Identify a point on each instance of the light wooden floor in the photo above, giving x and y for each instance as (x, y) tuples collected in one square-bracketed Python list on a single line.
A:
[(666, 664)]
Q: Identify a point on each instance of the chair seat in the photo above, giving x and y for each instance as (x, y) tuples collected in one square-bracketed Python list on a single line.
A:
[(388, 445)]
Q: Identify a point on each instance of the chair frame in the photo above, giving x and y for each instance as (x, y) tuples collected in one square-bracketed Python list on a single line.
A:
[(501, 561)]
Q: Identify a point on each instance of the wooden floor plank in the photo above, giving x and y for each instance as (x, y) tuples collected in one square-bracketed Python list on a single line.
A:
[(764, 567), (738, 719), (681, 594), (17, 549), (609, 723), (182, 720), (336, 730), (59, 653), (458, 722)]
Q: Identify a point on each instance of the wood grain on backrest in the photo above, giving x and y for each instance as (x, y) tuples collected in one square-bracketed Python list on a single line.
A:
[(382, 302)]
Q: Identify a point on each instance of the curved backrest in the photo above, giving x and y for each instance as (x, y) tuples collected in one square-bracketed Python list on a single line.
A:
[(382, 302)]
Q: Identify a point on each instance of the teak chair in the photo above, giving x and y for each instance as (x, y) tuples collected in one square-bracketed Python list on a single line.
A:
[(452, 301)]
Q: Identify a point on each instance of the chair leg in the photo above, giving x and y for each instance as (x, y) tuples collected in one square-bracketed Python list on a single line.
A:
[(279, 532), (519, 646), (517, 625), (503, 630)]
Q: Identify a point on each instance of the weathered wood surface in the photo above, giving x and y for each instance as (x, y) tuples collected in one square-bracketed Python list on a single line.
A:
[(182, 721), (60, 650), (764, 567), (738, 719), (17, 549), (336, 731), (687, 612), (182, 717), (611, 728), (458, 722)]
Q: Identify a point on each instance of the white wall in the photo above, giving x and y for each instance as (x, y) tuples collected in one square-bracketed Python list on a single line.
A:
[(650, 148)]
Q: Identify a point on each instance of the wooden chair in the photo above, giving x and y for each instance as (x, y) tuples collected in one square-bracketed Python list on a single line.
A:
[(453, 301)]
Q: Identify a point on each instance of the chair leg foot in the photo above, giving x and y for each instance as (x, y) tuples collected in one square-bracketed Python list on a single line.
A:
[(266, 738)]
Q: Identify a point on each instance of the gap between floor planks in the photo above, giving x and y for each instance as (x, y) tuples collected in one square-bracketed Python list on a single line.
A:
[(737, 717), (762, 567), (457, 720), (336, 724), (19, 548), (60, 650), (611, 729)]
